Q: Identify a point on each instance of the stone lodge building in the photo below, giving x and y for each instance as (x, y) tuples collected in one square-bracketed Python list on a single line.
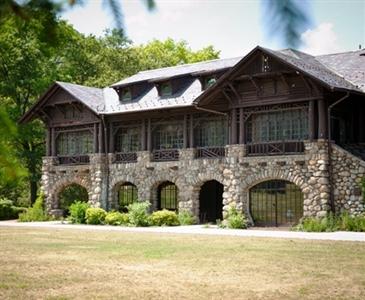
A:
[(278, 134)]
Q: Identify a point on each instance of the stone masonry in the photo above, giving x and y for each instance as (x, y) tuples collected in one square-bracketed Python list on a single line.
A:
[(237, 172)]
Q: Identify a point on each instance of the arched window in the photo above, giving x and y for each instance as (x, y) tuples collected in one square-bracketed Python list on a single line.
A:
[(167, 196), (127, 195), (276, 203)]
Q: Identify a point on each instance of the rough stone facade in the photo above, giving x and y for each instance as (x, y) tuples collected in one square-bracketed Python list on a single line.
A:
[(237, 172)]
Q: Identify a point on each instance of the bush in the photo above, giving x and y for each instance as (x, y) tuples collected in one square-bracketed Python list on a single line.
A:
[(95, 215), (138, 213), (35, 213), (116, 218), (235, 219), (164, 218), (6, 209), (78, 212), (186, 218)]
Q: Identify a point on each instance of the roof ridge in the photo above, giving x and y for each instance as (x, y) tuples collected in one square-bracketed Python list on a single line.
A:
[(76, 84), (339, 53)]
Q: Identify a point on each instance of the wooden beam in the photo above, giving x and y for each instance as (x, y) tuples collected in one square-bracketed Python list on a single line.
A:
[(238, 97), (101, 144), (111, 138), (149, 135), (242, 128), (311, 120), (185, 132), (53, 142), (227, 97), (309, 88), (234, 126), (48, 142), (143, 135), (191, 133), (95, 137), (284, 81), (255, 84), (322, 119)]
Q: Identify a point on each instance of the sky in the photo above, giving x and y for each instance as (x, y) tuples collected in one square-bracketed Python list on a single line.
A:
[(232, 26)]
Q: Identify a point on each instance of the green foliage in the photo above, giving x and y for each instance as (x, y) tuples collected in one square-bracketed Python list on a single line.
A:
[(116, 218), (95, 215), (235, 219), (72, 193), (164, 218), (138, 213), (35, 213), (186, 218), (330, 223), (78, 212), (8, 211)]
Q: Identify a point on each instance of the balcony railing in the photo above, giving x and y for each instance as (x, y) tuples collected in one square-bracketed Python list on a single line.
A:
[(210, 152), (165, 155), (126, 157), (73, 159), (275, 148)]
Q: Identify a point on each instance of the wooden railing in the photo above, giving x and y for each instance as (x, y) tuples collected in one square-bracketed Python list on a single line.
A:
[(73, 159), (210, 152), (275, 148), (165, 155), (126, 157)]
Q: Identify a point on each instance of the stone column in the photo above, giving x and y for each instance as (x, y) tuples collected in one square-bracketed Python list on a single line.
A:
[(99, 180)]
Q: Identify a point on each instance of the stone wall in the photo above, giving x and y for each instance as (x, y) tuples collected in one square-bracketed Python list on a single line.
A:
[(237, 172)]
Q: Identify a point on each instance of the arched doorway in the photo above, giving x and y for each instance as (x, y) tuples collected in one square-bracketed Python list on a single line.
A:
[(210, 201), (167, 196), (276, 203), (70, 194), (127, 194)]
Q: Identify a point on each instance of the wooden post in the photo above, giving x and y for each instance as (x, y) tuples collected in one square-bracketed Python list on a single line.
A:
[(234, 126), (101, 138), (322, 119), (149, 136), (185, 132), (48, 142), (143, 135), (53, 142), (111, 138), (191, 134), (242, 128), (95, 138), (361, 124), (311, 122)]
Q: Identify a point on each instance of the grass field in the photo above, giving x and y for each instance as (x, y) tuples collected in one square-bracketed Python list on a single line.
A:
[(75, 264)]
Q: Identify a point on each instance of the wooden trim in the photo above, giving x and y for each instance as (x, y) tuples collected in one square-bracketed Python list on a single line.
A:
[(95, 134), (234, 126), (242, 128), (111, 138), (53, 142), (185, 132), (191, 128), (322, 119), (149, 135), (143, 135), (311, 120), (48, 142), (100, 136)]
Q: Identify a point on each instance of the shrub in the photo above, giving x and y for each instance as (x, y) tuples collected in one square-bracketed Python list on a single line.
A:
[(138, 213), (95, 215), (235, 219), (116, 218), (78, 212), (164, 218), (186, 218), (6, 209), (36, 212)]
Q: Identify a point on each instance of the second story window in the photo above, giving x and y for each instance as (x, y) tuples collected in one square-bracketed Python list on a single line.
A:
[(208, 82), (126, 94), (165, 89), (128, 139)]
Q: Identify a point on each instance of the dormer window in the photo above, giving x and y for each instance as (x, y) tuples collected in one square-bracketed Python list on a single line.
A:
[(165, 89), (208, 82), (126, 94)]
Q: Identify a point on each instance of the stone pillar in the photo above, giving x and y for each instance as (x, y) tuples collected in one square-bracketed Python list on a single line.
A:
[(322, 119), (99, 180)]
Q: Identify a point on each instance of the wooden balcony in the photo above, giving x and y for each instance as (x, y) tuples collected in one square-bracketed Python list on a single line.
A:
[(210, 152), (165, 155), (275, 148), (125, 157), (73, 159)]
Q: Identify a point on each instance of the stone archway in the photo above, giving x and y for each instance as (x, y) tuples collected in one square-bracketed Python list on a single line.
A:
[(211, 202), (123, 193)]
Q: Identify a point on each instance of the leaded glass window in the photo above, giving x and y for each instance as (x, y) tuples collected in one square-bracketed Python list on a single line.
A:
[(74, 143), (128, 139), (210, 131), (167, 196), (277, 126), (127, 195), (168, 136)]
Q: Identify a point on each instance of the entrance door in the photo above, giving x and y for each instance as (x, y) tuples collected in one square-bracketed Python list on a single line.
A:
[(211, 202), (276, 203)]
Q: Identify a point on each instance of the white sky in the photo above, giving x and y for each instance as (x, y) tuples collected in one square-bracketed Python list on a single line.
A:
[(232, 26)]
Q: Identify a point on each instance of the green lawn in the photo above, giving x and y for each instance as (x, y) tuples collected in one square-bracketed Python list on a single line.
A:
[(69, 264)]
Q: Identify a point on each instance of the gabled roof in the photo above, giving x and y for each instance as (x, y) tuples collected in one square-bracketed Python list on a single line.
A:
[(341, 71), (170, 72), (89, 96)]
